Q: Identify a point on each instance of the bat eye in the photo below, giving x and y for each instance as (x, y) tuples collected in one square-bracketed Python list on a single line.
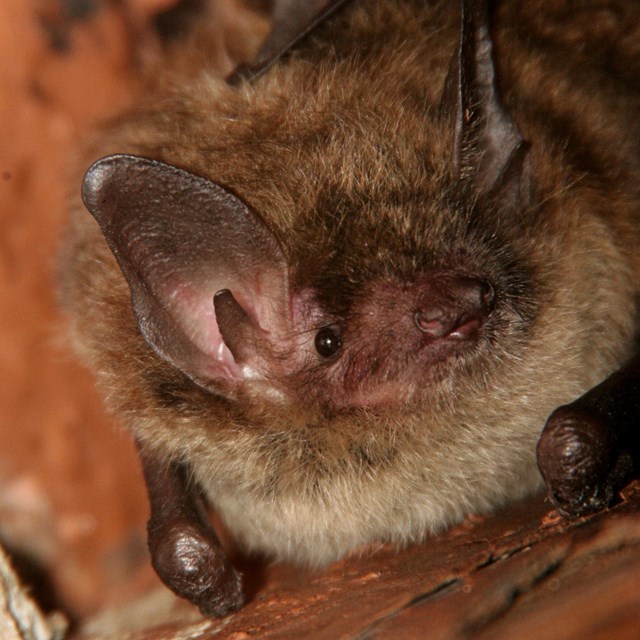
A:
[(328, 341)]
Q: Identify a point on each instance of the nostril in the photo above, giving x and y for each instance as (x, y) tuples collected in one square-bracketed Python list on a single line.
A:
[(454, 308), (431, 322), (433, 313), (471, 293)]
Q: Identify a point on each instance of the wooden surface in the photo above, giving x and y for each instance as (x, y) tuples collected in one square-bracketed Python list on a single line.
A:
[(521, 573), (72, 503)]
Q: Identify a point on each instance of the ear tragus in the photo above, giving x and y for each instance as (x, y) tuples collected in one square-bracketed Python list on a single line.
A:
[(235, 325)]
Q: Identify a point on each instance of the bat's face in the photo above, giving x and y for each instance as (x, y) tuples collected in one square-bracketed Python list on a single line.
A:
[(358, 244), (404, 300)]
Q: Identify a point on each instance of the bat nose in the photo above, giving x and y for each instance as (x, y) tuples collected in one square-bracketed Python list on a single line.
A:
[(455, 309)]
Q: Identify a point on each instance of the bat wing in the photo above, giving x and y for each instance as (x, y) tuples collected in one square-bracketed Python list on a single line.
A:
[(180, 239), (292, 21)]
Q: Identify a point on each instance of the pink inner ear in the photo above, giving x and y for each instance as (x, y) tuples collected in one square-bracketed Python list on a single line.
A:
[(191, 306), (194, 312), (188, 298)]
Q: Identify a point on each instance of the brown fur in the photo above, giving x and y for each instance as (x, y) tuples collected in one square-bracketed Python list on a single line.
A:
[(340, 151)]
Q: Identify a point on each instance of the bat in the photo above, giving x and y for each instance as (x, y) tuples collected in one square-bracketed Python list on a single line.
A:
[(382, 277)]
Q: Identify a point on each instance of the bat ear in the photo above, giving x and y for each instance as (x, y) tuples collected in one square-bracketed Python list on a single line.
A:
[(488, 148), (179, 239)]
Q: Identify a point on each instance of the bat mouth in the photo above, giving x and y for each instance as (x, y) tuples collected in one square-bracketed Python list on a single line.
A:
[(465, 329)]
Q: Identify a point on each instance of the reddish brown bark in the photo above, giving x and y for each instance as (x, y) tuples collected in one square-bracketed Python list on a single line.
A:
[(72, 502)]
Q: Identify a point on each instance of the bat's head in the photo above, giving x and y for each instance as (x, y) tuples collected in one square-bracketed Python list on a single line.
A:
[(382, 287), (373, 247), (350, 238)]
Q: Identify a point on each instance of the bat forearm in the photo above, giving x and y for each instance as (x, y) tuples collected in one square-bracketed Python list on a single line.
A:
[(590, 448), (185, 551)]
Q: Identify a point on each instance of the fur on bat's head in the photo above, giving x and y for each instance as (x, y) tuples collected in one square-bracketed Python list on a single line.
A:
[(388, 303)]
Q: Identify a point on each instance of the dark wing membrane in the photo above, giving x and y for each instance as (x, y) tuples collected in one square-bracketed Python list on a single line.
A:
[(292, 21)]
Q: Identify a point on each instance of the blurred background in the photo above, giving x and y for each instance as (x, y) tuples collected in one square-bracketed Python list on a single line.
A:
[(72, 503)]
